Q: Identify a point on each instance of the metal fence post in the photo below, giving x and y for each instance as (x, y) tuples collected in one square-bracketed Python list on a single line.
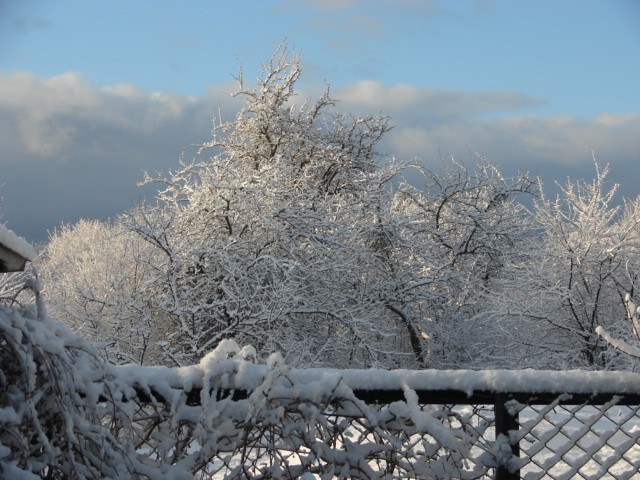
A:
[(503, 423)]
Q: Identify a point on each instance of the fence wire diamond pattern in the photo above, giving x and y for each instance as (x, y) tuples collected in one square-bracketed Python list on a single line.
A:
[(585, 441)]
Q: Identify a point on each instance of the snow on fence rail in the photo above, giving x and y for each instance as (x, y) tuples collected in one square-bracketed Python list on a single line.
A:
[(271, 421)]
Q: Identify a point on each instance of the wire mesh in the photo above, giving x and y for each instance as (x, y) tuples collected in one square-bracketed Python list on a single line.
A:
[(341, 436), (585, 441)]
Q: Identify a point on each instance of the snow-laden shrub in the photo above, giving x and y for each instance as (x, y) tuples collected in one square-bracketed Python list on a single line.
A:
[(51, 423)]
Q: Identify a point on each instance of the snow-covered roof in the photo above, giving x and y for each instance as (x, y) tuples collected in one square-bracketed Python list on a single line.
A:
[(14, 250)]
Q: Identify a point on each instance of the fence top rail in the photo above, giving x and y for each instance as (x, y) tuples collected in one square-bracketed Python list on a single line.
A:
[(458, 386)]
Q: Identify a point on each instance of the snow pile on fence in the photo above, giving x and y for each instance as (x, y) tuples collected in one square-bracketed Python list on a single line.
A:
[(236, 371)]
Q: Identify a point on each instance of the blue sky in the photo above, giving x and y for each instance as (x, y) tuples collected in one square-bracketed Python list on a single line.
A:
[(94, 92)]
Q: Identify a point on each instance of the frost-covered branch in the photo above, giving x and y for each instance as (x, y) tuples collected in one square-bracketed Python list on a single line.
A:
[(633, 315)]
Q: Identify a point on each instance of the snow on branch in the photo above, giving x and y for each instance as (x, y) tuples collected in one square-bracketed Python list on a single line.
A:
[(50, 422), (633, 314)]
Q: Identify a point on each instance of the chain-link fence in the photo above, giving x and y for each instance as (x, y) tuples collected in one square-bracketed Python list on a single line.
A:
[(578, 441), (286, 430), (546, 436), (566, 437)]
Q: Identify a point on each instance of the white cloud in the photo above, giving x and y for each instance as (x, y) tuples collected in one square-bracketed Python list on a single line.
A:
[(373, 94), (518, 140), (430, 124)]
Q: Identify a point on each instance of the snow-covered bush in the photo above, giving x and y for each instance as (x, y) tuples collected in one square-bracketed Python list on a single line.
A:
[(51, 423)]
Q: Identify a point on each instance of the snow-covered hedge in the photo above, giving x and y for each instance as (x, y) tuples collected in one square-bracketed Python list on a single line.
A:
[(290, 424)]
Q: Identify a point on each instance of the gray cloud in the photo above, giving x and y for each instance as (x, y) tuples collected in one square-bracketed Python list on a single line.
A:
[(430, 124), (18, 17), (73, 150)]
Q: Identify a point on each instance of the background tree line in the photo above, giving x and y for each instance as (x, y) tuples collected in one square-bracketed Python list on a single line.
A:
[(293, 233)]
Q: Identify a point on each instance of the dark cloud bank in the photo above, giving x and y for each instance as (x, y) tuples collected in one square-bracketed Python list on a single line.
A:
[(71, 150)]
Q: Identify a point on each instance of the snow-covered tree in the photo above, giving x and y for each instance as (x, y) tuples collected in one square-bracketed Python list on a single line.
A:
[(274, 239), (294, 235), (95, 280), (579, 268), (462, 227), (12, 288)]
